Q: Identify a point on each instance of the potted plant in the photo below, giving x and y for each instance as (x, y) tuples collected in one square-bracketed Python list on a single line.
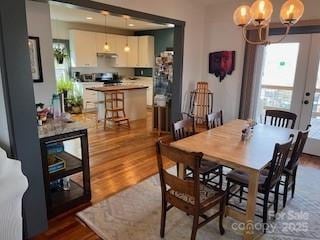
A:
[(59, 54), (76, 103), (64, 86)]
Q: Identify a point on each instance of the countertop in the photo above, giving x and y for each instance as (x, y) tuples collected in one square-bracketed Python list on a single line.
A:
[(118, 88), (57, 127)]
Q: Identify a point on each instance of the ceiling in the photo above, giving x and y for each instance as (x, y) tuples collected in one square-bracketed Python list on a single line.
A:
[(67, 13)]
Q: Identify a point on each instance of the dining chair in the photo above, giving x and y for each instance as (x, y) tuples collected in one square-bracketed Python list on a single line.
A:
[(268, 180), (290, 170), (186, 128), (189, 194), (280, 118), (214, 120)]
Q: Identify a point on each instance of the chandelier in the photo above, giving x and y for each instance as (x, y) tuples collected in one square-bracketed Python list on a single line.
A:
[(259, 15)]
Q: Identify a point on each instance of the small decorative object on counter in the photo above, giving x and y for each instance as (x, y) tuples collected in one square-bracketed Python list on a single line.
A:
[(56, 106), (42, 113), (246, 133)]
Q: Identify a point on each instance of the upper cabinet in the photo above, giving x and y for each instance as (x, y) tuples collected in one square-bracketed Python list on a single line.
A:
[(133, 57), (146, 52), (85, 46), (102, 38), (83, 49)]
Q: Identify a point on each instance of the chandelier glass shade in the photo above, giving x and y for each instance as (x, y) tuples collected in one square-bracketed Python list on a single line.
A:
[(259, 15)]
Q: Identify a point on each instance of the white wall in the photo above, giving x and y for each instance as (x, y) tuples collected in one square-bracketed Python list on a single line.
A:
[(190, 11), (222, 34), (4, 133), (38, 19)]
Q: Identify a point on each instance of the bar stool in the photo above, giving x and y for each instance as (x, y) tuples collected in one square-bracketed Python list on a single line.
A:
[(114, 109)]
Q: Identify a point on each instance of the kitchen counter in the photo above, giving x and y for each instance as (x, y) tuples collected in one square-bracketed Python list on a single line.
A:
[(58, 127), (121, 87)]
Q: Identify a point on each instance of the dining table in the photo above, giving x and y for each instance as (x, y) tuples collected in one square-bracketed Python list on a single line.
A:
[(225, 145)]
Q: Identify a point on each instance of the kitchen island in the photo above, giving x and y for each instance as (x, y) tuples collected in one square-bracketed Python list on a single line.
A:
[(134, 100)]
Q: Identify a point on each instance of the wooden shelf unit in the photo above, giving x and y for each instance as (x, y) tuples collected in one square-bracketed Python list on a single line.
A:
[(59, 201)]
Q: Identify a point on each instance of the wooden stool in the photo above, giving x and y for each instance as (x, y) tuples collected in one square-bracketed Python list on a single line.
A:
[(114, 109), (96, 103)]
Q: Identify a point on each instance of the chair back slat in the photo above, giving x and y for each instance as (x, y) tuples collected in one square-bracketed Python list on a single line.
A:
[(177, 184), (278, 162), (298, 149), (183, 129), (280, 118), (214, 120), (190, 186)]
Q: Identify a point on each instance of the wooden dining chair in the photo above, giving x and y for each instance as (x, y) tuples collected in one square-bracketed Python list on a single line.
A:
[(214, 120), (186, 128), (290, 170), (189, 194), (280, 118), (268, 180)]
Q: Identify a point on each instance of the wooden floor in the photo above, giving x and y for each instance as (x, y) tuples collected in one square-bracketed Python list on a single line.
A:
[(119, 158)]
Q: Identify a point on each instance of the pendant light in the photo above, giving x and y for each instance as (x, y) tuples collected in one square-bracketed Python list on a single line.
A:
[(126, 48), (106, 46)]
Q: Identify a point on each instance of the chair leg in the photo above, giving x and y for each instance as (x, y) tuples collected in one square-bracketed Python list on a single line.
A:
[(285, 191), (241, 194), (220, 177), (276, 198), (265, 211), (293, 188), (163, 218), (227, 192), (222, 212), (195, 226)]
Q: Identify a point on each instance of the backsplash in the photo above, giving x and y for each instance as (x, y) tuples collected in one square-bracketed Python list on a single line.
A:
[(105, 65)]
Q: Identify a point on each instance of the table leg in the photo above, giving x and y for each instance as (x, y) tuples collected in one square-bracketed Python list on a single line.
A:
[(251, 205), (159, 121), (181, 171)]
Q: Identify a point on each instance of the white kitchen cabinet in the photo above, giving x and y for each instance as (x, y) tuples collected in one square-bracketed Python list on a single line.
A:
[(88, 95), (122, 59), (83, 49), (102, 38), (146, 51), (133, 57)]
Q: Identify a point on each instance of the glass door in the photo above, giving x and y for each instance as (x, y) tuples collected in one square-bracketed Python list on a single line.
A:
[(290, 81), (282, 75), (310, 112)]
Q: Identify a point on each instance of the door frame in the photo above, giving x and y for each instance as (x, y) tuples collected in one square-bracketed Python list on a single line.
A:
[(178, 46)]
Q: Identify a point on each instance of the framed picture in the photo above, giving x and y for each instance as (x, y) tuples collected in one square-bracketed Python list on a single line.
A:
[(35, 59)]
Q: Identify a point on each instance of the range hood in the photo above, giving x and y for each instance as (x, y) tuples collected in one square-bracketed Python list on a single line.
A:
[(107, 55)]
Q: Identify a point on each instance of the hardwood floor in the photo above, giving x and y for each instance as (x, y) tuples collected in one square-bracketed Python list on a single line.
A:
[(119, 158)]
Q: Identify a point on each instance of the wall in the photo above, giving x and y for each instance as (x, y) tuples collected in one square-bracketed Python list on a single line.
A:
[(190, 11), (38, 19), (222, 34), (4, 132)]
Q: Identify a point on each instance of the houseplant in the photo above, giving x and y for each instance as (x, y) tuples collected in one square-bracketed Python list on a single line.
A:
[(64, 85), (76, 104), (59, 54)]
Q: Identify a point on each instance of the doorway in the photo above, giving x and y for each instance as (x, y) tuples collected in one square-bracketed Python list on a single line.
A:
[(290, 81)]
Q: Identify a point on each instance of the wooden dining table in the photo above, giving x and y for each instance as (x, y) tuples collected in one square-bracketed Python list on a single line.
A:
[(224, 146)]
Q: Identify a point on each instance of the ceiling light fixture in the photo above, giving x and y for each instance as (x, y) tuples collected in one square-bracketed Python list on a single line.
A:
[(131, 25), (259, 15), (106, 46), (89, 18), (126, 48)]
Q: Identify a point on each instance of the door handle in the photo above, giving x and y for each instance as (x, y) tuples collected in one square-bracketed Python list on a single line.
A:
[(306, 102)]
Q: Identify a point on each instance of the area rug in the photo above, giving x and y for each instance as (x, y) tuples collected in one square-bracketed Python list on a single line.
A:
[(134, 214)]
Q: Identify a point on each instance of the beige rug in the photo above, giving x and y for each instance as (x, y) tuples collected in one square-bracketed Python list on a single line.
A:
[(134, 214)]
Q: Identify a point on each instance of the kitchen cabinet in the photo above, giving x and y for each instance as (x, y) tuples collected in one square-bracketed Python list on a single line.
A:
[(146, 52), (88, 95), (133, 57), (102, 38), (122, 59), (83, 49)]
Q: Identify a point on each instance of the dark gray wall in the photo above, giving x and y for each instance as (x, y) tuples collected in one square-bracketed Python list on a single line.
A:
[(19, 99)]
